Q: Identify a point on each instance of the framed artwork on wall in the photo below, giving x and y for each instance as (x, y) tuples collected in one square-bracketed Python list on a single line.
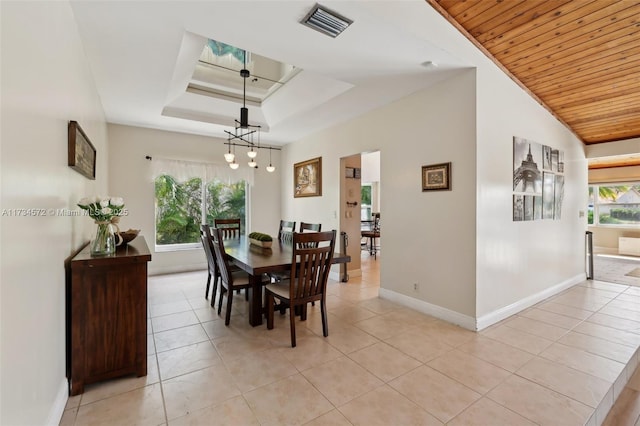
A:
[(81, 152), (307, 178), (436, 177)]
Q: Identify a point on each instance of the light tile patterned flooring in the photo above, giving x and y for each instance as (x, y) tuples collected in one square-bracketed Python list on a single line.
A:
[(560, 362)]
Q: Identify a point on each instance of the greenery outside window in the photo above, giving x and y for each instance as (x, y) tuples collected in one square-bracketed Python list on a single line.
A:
[(182, 206), (365, 202), (615, 205)]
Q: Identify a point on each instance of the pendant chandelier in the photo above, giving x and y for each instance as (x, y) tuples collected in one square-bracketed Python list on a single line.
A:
[(244, 132)]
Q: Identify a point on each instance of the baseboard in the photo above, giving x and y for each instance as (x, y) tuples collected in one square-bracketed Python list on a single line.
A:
[(445, 314), (60, 403), (337, 276), (499, 314), (477, 324)]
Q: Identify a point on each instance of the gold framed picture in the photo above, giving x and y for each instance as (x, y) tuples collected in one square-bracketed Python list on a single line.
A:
[(81, 152), (436, 177), (307, 178)]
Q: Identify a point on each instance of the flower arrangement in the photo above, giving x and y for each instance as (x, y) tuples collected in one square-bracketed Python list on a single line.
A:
[(103, 209), (106, 212)]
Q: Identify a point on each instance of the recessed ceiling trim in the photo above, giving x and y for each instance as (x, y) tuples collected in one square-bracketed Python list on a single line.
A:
[(326, 21), (207, 91)]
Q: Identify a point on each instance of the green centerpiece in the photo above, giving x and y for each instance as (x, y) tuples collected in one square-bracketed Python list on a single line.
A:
[(260, 239)]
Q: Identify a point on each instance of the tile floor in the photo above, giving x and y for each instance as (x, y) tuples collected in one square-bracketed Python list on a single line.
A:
[(561, 362)]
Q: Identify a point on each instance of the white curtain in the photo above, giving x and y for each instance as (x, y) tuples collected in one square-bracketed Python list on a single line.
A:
[(183, 170)]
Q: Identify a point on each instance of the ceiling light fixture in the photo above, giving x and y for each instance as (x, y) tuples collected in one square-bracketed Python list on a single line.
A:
[(244, 132), (270, 167), (326, 21)]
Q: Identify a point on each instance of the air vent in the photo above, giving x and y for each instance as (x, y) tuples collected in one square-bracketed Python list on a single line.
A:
[(326, 21)]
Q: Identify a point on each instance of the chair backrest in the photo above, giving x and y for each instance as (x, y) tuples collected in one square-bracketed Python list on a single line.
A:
[(221, 257), (376, 222), (313, 227), (205, 237), (286, 230), (230, 227), (310, 266)]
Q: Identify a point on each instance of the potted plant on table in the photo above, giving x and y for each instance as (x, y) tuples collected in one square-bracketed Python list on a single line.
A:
[(260, 239)]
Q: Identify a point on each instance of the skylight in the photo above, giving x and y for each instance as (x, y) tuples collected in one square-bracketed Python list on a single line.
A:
[(218, 73)]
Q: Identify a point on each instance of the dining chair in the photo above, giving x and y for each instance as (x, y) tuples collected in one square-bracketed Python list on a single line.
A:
[(286, 230), (312, 227), (229, 280), (310, 266), (230, 227), (372, 234), (205, 237)]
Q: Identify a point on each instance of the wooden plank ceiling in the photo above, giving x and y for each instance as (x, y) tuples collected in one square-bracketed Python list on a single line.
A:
[(578, 58)]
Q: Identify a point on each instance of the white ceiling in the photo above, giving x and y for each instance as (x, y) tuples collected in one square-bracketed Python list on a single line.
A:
[(143, 53)]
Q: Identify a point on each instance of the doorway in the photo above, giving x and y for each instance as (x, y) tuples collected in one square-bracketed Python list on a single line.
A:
[(360, 198)]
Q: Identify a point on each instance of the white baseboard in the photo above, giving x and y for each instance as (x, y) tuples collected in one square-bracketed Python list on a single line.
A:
[(477, 324), (337, 276), (499, 314), (448, 315), (60, 403)]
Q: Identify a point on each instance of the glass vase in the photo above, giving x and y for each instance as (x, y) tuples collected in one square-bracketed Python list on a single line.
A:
[(104, 244)]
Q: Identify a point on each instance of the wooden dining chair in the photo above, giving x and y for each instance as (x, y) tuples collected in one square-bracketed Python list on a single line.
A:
[(230, 227), (286, 230), (312, 227), (371, 234), (310, 266), (229, 280), (207, 244)]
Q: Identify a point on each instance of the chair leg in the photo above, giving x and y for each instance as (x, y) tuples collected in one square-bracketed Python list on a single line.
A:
[(206, 291), (222, 292), (303, 312), (214, 292), (246, 294), (323, 313), (227, 318), (270, 309), (292, 321)]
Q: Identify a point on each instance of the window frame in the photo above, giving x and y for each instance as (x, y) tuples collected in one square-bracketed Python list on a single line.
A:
[(165, 248), (597, 204)]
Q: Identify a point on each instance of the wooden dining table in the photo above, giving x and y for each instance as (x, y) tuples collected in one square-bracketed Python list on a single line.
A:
[(257, 261)]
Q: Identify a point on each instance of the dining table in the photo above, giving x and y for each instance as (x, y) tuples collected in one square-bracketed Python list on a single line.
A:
[(257, 261)]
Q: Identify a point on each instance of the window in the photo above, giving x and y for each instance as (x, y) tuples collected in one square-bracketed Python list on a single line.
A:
[(614, 204), (365, 202), (182, 206)]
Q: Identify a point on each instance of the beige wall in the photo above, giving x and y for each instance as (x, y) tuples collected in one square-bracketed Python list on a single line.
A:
[(130, 178), (429, 238), (473, 265), (46, 81)]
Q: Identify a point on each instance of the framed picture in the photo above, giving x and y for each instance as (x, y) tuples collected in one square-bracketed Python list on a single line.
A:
[(436, 177), (82, 154), (307, 178)]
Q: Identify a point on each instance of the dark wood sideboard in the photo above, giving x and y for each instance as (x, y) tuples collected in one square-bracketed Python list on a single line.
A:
[(107, 315)]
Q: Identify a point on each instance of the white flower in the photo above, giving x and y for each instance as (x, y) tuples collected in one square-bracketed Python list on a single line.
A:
[(104, 202), (117, 201), (85, 201)]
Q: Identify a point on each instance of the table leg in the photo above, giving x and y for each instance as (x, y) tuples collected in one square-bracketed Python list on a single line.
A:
[(255, 301)]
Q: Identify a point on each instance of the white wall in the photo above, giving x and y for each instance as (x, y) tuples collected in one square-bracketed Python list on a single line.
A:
[(417, 226), (517, 260), (46, 81), (517, 263), (130, 178)]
